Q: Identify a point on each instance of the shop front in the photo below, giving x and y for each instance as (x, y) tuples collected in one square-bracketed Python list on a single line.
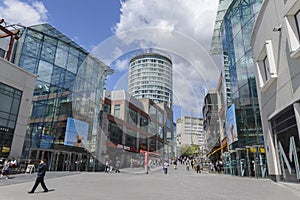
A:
[(58, 160), (286, 137), (249, 161)]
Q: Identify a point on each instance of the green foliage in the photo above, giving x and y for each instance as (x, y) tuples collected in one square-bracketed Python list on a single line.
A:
[(188, 150)]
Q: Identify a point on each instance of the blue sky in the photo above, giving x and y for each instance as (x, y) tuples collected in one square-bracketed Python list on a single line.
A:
[(113, 29)]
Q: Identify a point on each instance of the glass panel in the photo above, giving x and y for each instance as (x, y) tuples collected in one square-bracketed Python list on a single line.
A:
[(31, 46), (48, 52), (15, 106), (4, 115), (34, 34), (152, 112), (69, 80), (72, 63), (13, 117), (6, 102), (298, 22), (28, 63), (132, 117), (58, 76), (266, 69), (117, 111), (45, 71), (160, 117), (3, 122), (61, 57), (50, 40), (11, 124)]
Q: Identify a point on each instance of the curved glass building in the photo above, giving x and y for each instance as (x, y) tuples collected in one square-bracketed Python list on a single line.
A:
[(244, 130), (150, 76)]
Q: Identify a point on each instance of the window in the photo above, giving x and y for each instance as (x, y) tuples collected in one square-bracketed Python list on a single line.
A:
[(160, 117), (130, 138), (144, 123), (143, 142), (292, 19), (117, 111), (266, 68), (10, 102), (297, 16), (115, 133), (132, 117)]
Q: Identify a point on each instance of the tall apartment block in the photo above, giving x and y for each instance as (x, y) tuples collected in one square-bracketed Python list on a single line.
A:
[(150, 76)]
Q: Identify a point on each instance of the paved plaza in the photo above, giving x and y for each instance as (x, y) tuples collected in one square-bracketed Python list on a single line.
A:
[(133, 184)]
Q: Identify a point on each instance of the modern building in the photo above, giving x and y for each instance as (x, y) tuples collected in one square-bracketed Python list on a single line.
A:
[(216, 46), (276, 46), (190, 132), (150, 76), (63, 126), (211, 126), (134, 126), (221, 94), (243, 124), (16, 89)]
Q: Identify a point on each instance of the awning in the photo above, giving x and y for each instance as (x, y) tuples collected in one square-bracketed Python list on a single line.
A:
[(218, 149)]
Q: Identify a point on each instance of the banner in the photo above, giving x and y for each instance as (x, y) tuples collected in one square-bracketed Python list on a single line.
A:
[(231, 125), (76, 133)]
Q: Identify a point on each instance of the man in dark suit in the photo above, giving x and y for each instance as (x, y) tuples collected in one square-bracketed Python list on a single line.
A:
[(40, 177)]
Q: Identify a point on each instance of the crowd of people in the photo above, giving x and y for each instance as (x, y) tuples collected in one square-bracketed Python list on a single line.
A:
[(7, 166)]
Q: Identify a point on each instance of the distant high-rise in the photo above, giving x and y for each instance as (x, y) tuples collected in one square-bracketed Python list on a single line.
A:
[(150, 76)]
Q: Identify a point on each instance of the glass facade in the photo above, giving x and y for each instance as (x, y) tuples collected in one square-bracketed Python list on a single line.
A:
[(70, 84), (10, 99), (236, 33)]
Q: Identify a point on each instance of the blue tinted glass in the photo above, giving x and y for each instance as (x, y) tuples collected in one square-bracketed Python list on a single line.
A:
[(48, 52), (45, 71), (28, 63)]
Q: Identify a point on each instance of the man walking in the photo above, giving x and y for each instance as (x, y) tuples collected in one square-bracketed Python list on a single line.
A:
[(40, 177)]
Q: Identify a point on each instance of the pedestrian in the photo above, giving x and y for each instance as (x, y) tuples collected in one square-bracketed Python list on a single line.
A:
[(107, 166), (118, 166), (198, 167), (5, 169), (40, 177), (166, 165)]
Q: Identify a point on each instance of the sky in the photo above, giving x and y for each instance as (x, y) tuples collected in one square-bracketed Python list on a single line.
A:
[(115, 30)]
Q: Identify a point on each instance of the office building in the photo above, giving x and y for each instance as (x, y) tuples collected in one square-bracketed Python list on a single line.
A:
[(190, 132)]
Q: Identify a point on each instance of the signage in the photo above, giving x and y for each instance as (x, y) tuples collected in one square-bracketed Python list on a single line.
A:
[(231, 125), (76, 133)]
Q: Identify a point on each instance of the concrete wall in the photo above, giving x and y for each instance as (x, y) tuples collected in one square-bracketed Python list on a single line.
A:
[(283, 89), (18, 78)]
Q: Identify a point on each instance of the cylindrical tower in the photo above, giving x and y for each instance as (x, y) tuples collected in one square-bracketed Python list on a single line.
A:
[(150, 76)]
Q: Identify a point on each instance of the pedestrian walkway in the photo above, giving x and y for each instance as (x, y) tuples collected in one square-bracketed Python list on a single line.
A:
[(177, 184)]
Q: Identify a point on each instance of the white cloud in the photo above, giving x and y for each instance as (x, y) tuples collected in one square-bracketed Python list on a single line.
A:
[(122, 65), (194, 18), (184, 30), (16, 11)]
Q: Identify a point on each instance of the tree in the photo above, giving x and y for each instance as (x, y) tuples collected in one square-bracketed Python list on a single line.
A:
[(187, 150)]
